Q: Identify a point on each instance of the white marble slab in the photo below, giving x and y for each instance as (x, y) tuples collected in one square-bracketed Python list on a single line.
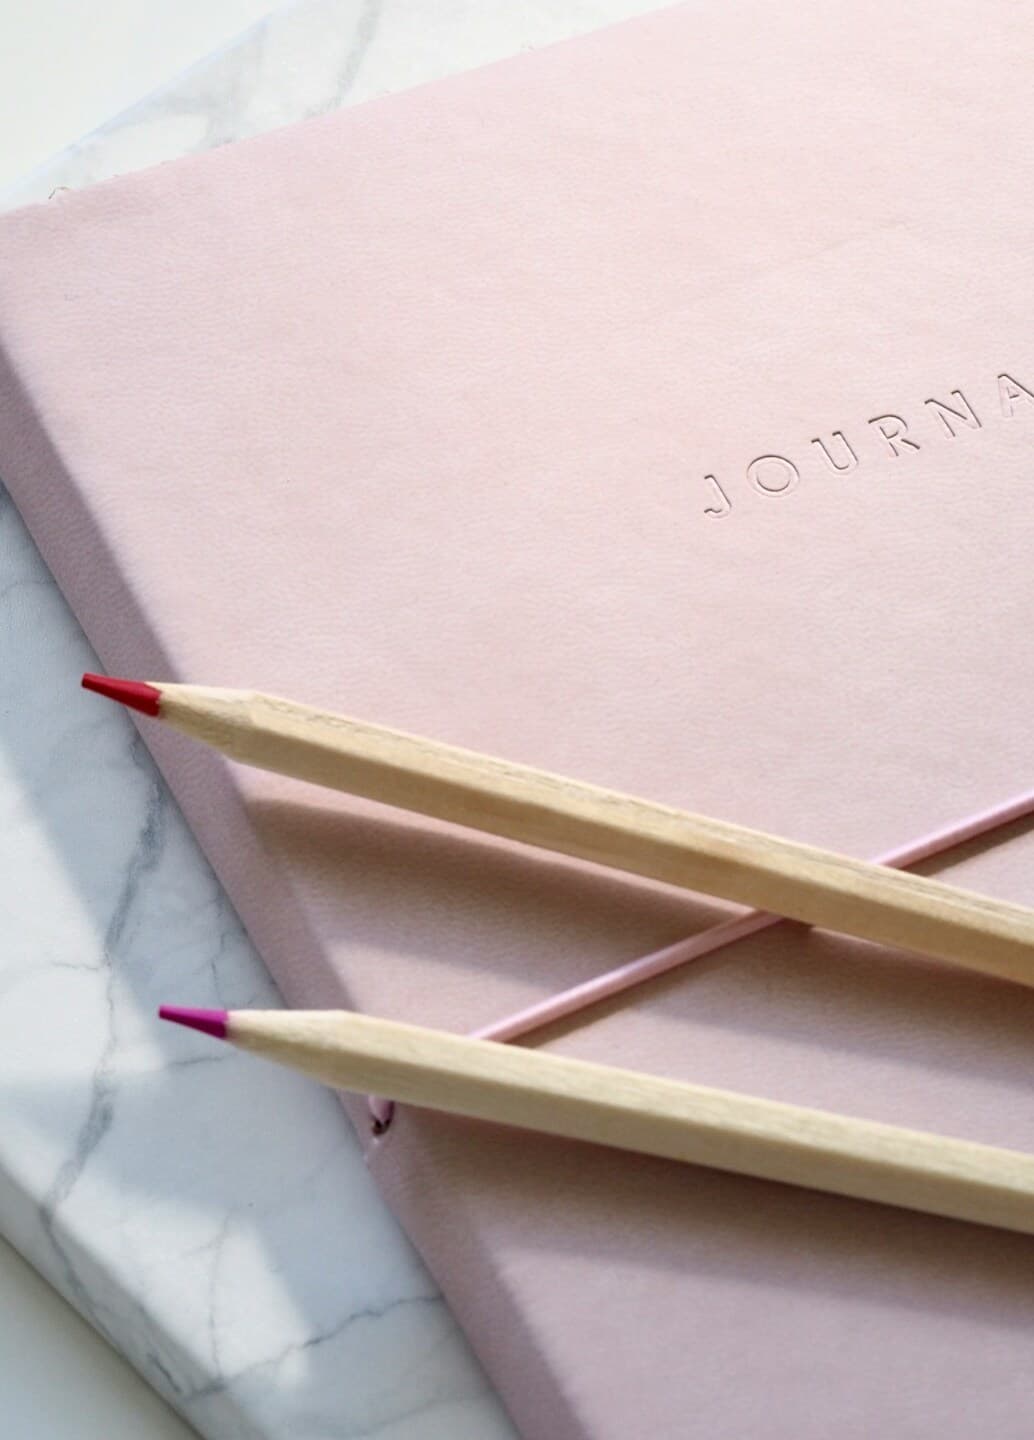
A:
[(99, 1397), (211, 1216), (66, 66)]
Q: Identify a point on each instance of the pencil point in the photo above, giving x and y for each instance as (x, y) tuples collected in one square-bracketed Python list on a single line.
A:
[(134, 693), (209, 1022)]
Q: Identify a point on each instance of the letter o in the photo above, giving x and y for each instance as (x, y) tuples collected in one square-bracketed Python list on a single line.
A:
[(782, 474)]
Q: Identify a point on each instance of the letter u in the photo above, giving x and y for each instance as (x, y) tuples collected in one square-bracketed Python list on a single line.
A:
[(844, 460)]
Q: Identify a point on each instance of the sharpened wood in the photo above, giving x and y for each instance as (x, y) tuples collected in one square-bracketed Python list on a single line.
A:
[(713, 857), (632, 1111)]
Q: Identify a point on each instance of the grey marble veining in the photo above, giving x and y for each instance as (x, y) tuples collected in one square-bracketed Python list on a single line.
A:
[(312, 56), (247, 1268)]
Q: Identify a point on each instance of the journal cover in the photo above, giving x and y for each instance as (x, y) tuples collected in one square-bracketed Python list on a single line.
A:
[(658, 409)]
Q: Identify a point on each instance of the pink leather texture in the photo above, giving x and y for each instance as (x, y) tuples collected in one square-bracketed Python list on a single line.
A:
[(656, 408)]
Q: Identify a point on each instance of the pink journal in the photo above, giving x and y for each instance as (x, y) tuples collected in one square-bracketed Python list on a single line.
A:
[(657, 408)]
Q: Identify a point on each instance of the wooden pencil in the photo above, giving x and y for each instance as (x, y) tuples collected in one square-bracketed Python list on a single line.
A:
[(711, 856), (633, 1111)]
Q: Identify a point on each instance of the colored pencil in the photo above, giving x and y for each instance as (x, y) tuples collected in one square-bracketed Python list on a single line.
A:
[(800, 882), (633, 1111)]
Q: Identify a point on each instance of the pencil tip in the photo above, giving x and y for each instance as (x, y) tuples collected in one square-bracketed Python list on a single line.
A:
[(209, 1022), (134, 693)]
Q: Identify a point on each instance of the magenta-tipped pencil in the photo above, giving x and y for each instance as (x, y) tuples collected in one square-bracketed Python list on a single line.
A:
[(552, 812), (600, 1104), (209, 1022)]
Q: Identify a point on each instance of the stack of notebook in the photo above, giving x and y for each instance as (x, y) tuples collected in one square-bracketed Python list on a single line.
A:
[(656, 409)]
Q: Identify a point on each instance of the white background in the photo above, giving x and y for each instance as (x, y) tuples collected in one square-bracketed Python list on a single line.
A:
[(66, 66), (59, 1379)]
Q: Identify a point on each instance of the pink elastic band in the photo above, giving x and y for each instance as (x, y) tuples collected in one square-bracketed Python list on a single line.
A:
[(636, 972)]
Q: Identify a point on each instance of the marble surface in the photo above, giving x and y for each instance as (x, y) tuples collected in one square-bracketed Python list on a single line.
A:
[(312, 56), (67, 66), (212, 1217), (99, 1398)]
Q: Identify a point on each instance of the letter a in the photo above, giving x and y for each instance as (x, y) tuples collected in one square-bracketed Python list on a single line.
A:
[(1009, 391)]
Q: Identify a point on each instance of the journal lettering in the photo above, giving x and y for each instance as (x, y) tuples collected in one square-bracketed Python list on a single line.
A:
[(890, 437)]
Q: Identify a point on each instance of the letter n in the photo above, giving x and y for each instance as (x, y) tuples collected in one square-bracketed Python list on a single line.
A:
[(947, 416)]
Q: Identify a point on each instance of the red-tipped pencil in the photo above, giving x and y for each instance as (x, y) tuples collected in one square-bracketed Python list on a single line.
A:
[(536, 808), (631, 1111), (132, 693)]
